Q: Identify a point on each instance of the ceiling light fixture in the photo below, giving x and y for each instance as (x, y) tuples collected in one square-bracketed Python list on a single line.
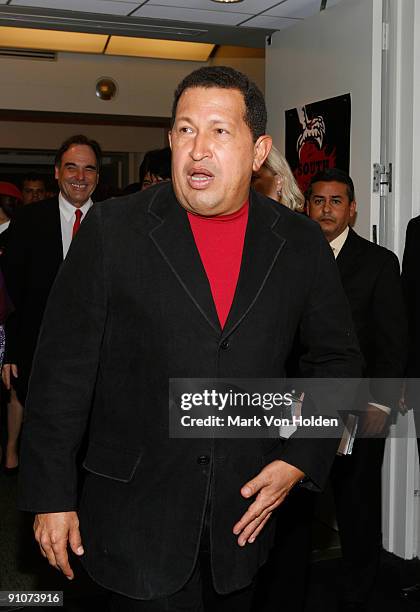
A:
[(225, 1)]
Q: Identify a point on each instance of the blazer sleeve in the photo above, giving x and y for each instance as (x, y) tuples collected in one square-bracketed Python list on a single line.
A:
[(410, 282), (330, 351), (390, 334), (63, 378), (13, 265)]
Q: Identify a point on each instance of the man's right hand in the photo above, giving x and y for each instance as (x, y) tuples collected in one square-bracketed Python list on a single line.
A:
[(8, 370), (53, 531)]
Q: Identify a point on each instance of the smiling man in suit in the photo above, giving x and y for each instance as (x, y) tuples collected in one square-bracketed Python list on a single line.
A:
[(38, 241), (371, 279), (190, 279)]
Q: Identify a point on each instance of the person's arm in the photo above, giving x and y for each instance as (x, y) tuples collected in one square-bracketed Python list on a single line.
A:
[(332, 352), (13, 264), (61, 390), (389, 346)]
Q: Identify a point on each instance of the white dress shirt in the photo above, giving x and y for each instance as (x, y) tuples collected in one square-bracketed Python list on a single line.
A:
[(67, 219), (4, 226)]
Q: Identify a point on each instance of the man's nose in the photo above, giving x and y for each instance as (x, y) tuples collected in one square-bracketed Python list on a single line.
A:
[(200, 147), (80, 174), (326, 207)]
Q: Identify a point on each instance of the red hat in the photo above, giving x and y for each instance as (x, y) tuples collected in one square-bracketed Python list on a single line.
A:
[(10, 190)]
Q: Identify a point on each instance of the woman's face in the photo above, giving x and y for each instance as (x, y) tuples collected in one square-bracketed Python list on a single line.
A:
[(267, 183)]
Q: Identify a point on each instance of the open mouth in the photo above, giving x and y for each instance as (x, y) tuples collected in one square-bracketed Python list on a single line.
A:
[(199, 178), (78, 187)]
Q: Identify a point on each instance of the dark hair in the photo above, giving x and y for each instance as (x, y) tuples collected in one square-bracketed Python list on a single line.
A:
[(8, 204), (33, 176), (225, 77), (79, 139), (330, 175), (157, 162)]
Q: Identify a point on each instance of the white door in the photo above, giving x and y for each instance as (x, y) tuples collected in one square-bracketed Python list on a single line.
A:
[(342, 50)]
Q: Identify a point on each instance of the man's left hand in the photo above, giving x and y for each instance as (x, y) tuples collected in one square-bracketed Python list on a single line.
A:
[(373, 421), (270, 487)]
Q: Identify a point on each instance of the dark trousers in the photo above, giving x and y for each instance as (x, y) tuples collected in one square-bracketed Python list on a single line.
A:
[(282, 581), (356, 482)]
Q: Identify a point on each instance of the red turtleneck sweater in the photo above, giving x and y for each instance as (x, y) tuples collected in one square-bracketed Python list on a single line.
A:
[(220, 242)]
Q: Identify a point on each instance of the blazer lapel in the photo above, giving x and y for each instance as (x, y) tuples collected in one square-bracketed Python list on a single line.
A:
[(348, 257), (51, 229), (175, 241), (261, 249)]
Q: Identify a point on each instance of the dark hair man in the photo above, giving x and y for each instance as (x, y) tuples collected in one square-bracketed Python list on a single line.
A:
[(189, 279), (38, 241), (33, 188), (155, 167), (371, 279)]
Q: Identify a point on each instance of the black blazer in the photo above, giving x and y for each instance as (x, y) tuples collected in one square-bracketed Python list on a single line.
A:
[(371, 279), (138, 310), (30, 264), (411, 286)]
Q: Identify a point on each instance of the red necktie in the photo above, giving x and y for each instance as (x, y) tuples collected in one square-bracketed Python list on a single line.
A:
[(76, 224)]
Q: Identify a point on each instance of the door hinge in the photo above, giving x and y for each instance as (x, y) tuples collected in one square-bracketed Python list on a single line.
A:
[(382, 179), (385, 36)]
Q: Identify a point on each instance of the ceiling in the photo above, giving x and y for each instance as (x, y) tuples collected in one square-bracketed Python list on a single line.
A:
[(246, 23)]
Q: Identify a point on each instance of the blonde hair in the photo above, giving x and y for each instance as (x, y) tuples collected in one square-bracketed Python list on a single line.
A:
[(291, 195)]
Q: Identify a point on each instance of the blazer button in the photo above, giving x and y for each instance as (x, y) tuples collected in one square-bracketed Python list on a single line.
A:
[(225, 345), (203, 459)]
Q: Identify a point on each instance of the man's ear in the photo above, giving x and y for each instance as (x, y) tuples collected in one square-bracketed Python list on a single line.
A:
[(262, 148), (170, 138), (56, 171), (353, 209)]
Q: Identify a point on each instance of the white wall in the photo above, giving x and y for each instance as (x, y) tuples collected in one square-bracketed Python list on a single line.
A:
[(146, 86), (325, 56), (27, 135)]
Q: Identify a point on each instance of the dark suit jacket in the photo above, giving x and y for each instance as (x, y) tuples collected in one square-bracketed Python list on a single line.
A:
[(371, 279), (138, 310), (30, 264), (411, 286)]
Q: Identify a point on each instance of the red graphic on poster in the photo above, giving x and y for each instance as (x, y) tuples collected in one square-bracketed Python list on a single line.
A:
[(318, 137)]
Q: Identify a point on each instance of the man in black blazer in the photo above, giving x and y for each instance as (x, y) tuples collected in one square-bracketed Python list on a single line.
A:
[(371, 279), (411, 287), (39, 238), (169, 522)]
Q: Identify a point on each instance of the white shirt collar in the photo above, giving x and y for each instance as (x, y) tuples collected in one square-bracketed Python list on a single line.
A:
[(338, 243), (68, 209), (4, 226)]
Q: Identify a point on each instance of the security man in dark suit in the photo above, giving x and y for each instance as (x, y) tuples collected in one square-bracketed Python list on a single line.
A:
[(371, 279)]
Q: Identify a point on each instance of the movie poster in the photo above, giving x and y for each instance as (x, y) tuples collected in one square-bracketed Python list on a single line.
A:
[(318, 137)]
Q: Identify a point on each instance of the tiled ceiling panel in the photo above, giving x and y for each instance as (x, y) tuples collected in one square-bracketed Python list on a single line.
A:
[(89, 6), (247, 6), (196, 15)]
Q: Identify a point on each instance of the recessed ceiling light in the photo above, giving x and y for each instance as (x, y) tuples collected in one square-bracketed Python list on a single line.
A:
[(231, 1)]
